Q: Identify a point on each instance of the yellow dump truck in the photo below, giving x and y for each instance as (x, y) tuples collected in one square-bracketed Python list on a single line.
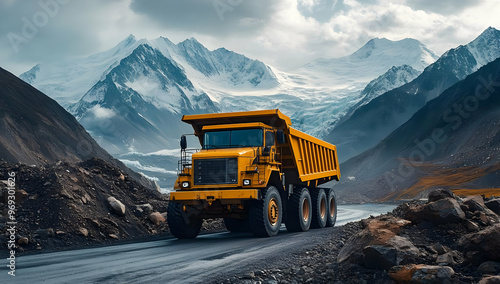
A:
[(255, 171)]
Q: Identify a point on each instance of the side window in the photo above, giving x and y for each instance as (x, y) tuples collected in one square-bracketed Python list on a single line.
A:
[(269, 138)]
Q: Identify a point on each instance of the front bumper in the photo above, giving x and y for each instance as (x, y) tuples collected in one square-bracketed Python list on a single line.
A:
[(229, 196)]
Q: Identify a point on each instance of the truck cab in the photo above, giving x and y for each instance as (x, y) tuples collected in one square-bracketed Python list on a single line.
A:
[(247, 173)]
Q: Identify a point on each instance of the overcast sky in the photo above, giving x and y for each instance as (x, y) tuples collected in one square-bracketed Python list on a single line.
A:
[(283, 33)]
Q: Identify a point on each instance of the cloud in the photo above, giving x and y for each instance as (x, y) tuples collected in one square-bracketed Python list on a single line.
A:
[(215, 17), (102, 112), (445, 7), (283, 33), (51, 30)]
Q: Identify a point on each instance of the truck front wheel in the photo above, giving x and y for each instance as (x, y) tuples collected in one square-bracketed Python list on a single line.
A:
[(299, 211), (181, 225), (266, 214)]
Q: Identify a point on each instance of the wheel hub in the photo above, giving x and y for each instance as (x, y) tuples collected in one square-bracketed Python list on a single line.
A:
[(305, 210), (273, 211), (332, 209), (322, 208)]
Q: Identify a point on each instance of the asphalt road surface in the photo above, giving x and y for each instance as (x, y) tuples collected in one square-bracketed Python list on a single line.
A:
[(175, 261)]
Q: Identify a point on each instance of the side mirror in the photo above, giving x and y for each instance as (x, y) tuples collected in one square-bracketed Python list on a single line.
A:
[(280, 136), (183, 142)]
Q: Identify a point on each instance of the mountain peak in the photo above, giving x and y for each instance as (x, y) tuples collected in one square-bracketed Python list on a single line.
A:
[(128, 40), (488, 33), (386, 49), (481, 47)]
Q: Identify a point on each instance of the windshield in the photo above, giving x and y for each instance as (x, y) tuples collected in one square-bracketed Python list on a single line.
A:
[(233, 138)]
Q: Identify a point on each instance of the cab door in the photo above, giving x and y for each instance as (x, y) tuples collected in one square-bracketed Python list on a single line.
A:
[(270, 145)]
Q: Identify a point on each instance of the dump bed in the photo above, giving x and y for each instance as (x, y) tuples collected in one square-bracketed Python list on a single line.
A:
[(314, 159)]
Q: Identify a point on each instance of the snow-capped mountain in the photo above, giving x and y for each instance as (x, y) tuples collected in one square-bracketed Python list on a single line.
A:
[(372, 60), (395, 77), (131, 98), (392, 79), (138, 100), (67, 81), (224, 68), (372, 122)]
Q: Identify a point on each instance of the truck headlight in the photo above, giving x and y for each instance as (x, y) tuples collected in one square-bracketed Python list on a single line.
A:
[(247, 182), (185, 184)]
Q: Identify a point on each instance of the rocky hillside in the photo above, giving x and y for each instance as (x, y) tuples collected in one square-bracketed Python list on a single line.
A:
[(66, 205), (445, 240), (453, 142)]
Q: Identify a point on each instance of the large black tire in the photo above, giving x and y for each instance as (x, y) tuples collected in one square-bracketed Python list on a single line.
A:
[(319, 208), (265, 215), (332, 208), (236, 225), (179, 226), (299, 211)]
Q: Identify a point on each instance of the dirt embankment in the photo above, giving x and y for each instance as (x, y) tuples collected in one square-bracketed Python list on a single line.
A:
[(445, 240), (66, 206)]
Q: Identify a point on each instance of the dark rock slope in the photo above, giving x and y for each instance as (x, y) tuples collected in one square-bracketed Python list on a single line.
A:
[(34, 129), (453, 142)]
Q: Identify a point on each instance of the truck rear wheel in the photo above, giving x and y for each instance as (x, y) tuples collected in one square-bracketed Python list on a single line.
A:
[(332, 208), (319, 208), (299, 211), (181, 225), (236, 225), (265, 215)]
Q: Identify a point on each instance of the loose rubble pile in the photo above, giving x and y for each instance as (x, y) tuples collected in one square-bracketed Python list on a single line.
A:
[(66, 206), (445, 240)]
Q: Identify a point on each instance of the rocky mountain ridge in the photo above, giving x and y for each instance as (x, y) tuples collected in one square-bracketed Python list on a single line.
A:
[(372, 122)]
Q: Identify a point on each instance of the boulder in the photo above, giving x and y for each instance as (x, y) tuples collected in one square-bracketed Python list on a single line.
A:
[(156, 218), (471, 226), (449, 258), (490, 280), (379, 257), (489, 267), (421, 273), (146, 208), (138, 212), (442, 211), (21, 195), (377, 245), (477, 206), (441, 193), (474, 205), (440, 249), (427, 274), (22, 241), (117, 206), (82, 231), (486, 242), (494, 205)]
